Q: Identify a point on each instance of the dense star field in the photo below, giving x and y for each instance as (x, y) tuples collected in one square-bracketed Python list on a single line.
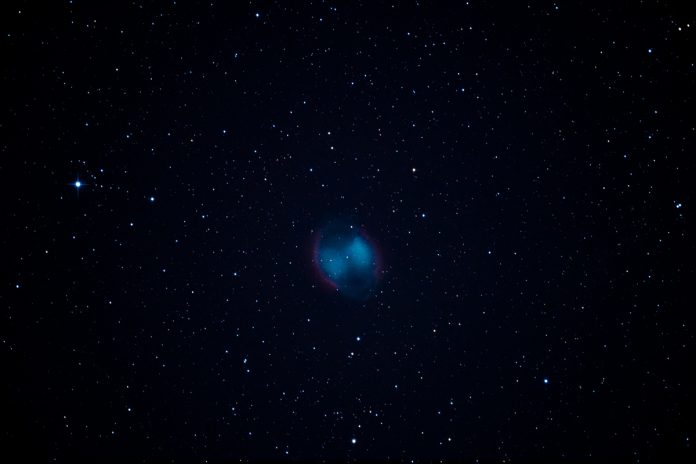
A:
[(347, 231)]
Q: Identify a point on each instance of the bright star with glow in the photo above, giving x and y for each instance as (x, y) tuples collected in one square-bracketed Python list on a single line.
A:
[(77, 184)]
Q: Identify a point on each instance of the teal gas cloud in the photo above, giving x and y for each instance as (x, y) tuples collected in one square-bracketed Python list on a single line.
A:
[(347, 259)]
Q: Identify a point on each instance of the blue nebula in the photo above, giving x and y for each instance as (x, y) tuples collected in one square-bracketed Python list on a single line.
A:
[(348, 260)]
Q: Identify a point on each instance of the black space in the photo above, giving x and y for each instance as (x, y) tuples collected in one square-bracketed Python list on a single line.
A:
[(527, 170)]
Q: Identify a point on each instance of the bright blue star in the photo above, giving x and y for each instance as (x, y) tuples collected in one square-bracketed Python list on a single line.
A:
[(546, 381), (77, 184)]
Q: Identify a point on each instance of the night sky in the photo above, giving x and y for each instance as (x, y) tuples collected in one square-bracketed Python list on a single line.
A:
[(517, 179)]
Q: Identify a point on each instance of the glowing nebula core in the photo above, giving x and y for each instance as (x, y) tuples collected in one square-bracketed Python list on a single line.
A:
[(347, 259)]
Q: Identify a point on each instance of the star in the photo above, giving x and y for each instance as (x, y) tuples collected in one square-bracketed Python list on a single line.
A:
[(77, 184)]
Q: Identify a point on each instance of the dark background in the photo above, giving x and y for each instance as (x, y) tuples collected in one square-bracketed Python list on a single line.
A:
[(527, 169)]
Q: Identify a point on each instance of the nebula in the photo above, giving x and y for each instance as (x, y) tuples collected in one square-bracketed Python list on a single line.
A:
[(347, 259)]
